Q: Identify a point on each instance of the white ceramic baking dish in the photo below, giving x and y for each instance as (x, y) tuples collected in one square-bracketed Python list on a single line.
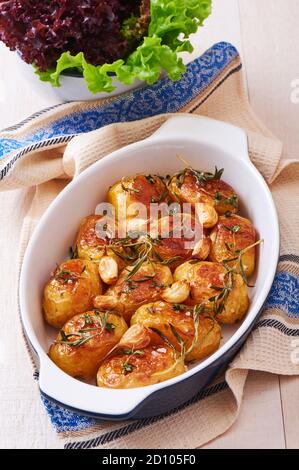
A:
[(205, 143)]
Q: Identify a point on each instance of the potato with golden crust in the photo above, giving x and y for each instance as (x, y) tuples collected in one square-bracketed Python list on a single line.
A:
[(85, 341), (70, 290), (132, 291), (138, 189), (223, 292), (232, 235), (200, 333), (178, 239), (139, 368), (187, 186), (224, 196), (194, 186), (91, 245)]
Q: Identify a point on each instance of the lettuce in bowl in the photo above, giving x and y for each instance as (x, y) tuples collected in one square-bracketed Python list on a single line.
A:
[(153, 45)]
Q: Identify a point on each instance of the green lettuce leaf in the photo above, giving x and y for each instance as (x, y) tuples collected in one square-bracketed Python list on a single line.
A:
[(172, 23)]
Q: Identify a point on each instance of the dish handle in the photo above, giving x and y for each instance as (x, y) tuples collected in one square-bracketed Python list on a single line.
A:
[(203, 129), (81, 397)]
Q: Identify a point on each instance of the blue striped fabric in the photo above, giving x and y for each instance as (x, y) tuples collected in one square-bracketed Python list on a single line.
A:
[(164, 97)]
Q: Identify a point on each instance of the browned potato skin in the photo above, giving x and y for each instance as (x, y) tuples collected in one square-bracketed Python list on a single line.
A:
[(155, 364), (224, 196), (83, 361), (190, 191), (216, 193), (161, 315), (203, 277), (138, 189), (222, 236), (125, 299), (172, 248), (90, 246), (66, 295)]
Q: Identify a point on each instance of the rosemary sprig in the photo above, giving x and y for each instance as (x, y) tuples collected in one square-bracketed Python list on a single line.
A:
[(73, 252), (67, 276), (143, 258), (150, 179), (102, 319), (160, 198), (179, 340), (238, 267), (79, 342), (232, 201), (129, 286), (233, 229), (220, 299), (200, 176), (176, 358), (164, 338), (132, 352), (218, 198), (197, 311), (126, 366), (180, 307), (82, 335)]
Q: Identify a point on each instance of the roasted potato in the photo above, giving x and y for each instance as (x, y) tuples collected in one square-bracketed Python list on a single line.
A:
[(224, 196), (194, 187), (91, 246), (138, 368), (129, 293), (224, 293), (70, 291), (231, 235), (85, 341), (177, 241), (200, 333), (138, 189)]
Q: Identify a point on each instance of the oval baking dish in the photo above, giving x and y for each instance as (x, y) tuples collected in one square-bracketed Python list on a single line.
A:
[(205, 143)]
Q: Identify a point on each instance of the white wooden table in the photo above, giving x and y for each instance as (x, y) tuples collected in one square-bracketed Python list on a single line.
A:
[(266, 34)]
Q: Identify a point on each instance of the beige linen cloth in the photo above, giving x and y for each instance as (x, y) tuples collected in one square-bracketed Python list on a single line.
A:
[(271, 346)]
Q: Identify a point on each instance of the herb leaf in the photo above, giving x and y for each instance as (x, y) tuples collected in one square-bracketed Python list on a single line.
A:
[(127, 368)]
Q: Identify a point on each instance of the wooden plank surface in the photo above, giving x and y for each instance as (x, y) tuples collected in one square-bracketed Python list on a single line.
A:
[(260, 424), (289, 387), (266, 33), (270, 41)]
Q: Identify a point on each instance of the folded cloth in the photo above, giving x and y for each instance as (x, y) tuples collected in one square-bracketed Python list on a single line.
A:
[(49, 149)]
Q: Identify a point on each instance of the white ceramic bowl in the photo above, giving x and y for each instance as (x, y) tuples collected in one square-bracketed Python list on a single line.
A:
[(204, 143), (73, 87)]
